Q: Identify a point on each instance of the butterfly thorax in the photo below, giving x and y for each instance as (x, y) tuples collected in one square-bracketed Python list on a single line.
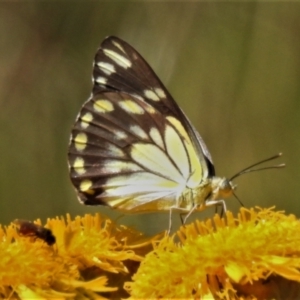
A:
[(197, 196), (209, 190)]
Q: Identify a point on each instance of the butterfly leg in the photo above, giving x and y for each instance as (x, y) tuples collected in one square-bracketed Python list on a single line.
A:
[(221, 213), (217, 203), (182, 218), (170, 221), (189, 213)]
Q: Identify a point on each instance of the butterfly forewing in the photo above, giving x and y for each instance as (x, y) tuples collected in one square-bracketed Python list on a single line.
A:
[(131, 146), (120, 67)]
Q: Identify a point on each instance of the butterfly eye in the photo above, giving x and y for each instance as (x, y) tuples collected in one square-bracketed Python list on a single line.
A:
[(227, 187)]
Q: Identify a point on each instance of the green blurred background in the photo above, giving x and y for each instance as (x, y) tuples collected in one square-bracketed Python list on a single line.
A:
[(233, 67)]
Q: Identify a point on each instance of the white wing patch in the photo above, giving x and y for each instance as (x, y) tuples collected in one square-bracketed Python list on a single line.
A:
[(118, 59), (156, 137), (151, 95), (107, 68), (160, 92), (101, 80), (138, 131), (118, 46), (130, 191)]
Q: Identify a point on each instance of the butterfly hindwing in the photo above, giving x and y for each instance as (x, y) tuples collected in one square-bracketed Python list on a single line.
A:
[(131, 146)]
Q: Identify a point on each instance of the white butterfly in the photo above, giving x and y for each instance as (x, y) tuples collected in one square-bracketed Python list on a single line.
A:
[(133, 149)]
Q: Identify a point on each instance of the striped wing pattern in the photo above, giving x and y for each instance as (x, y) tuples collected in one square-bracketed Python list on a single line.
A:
[(131, 147)]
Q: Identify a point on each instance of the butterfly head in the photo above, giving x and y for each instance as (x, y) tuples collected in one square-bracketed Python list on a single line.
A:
[(222, 188)]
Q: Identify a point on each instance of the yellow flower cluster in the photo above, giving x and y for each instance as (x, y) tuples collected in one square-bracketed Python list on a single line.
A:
[(255, 255), (87, 251), (252, 256)]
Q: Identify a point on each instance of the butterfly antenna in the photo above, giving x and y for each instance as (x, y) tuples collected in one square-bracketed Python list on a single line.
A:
[(249, 169)]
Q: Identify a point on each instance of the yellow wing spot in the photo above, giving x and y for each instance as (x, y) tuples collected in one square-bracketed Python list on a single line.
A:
[(86, 119), (103, 106), (85, 185), (80, 141), (90, 192), (78, 165), (178, 125), (150, 109), (131, 107), (117, 58), (101, 80), (107, 68), (118, 46), (156, 137), (151, 95), (138, 131), (160, 92)]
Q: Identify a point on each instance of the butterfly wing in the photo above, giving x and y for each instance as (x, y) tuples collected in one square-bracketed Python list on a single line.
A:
[(132, 147), (119, 67)]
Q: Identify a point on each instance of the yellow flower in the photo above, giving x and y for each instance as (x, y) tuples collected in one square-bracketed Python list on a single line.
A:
[(249, 257), (87, 252), (253, 256)]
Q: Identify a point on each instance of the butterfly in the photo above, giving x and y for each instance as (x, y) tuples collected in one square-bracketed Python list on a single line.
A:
[(27, 228), (133, 149)]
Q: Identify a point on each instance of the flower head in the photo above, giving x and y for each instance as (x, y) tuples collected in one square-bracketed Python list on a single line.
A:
[(253, 256), (88, 250), (222, 258)]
